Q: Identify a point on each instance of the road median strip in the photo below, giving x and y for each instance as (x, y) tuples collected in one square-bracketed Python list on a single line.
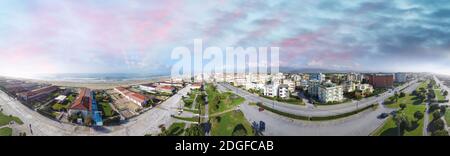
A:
[(314, 118)]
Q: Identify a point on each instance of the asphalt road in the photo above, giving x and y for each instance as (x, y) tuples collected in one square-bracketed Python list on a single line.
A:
[(320, 111), (361, 124)]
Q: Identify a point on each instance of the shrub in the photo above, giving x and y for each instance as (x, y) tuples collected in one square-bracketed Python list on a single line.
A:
[(239, 130), (436, 115), (402, 106), (418, 115), (436, 125), (440, 133)]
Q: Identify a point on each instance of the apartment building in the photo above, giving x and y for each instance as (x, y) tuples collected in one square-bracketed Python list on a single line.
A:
[(330, 92)]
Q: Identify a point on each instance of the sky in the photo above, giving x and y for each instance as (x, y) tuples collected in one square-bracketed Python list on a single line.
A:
[(120, 36)]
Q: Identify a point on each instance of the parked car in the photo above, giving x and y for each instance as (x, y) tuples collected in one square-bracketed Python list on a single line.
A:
[(383, 115), (261, 109), (262, 126)]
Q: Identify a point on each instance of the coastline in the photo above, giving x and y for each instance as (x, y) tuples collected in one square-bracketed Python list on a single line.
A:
[(107, 84)]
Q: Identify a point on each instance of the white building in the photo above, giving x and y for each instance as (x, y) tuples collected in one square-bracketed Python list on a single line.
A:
[(254, 85), (330, 92), (283, 91), (365, 88), (61, 98), (270, 90), (150, 88), (290, 84), (349, 86)]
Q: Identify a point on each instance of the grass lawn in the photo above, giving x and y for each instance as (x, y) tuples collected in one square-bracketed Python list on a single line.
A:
[(219, 102), (59, 107), (106, 109), (390, 128), (408, 99), (413, 104), (5, 131), (192, 119), (290, 100), (176, 129), (5, 119), (188, 101), (439, 94), (447, 116), (195, 111), (225, 124)]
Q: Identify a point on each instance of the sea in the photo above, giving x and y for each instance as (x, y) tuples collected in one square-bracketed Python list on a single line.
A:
[(100, 77)]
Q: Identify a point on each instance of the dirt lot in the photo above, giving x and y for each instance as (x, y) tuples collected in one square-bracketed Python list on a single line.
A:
[(125, 107)]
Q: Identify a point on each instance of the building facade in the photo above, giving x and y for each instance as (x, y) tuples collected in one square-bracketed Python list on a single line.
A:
[(283, 91), (381, 80), (37, 93), (317, 76), (330, 93), (401, 77)]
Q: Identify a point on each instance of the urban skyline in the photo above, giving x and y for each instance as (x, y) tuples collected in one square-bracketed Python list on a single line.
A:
[(137, 37)]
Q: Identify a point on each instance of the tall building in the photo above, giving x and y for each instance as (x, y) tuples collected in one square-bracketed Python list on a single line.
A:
[(313, 88), (401, 77), (381, 80), (317, 76), (330, 92)]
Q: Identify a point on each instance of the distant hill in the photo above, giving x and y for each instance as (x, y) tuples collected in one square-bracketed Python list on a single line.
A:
[(312, 70)]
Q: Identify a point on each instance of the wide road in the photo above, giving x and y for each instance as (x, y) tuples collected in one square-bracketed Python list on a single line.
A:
[(320, 111), (145, 123), (362, 124)]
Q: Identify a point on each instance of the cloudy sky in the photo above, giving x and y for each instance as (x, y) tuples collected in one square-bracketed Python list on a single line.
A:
[(114, 36)]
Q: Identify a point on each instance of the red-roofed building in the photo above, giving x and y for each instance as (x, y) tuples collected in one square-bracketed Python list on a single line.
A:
[(166, 89), (38, 93), (83, 103), (196, 86), (136, 98)]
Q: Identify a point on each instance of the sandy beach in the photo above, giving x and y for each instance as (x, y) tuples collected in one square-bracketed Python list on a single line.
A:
[(97, 84)]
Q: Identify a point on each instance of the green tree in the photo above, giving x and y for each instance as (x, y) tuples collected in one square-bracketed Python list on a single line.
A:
[(418, 115), (436, 125), (402, 106), (436, 115), (443, 109), (194, 130), (402, 123), (239, 130), (402, 94), (440, 133)]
